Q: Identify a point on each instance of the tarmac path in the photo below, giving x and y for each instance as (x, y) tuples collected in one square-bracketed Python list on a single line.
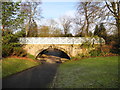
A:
[(38, 77)]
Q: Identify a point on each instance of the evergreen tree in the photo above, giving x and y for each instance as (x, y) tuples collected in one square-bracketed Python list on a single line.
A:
[(102, 31), (96, 32), (9, 15)]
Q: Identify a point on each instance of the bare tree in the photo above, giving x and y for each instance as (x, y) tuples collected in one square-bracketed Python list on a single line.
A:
[(89, 12), (30, 10), (44, 31), (52, 24), (78, 25), (114, 8), (66, 23), (54, 29), (33, 31)]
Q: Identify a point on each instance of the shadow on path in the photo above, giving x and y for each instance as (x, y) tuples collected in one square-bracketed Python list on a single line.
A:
[(37, 77)]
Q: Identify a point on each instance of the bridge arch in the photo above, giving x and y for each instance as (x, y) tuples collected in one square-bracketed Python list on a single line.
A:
[(69, 45), (53, 47)]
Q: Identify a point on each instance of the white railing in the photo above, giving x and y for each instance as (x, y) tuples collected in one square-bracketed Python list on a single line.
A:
[(60, 40)]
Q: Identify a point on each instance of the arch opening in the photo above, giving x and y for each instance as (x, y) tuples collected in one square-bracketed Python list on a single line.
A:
[(53, 52)]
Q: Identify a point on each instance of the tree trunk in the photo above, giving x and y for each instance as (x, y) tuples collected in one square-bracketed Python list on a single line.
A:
[(87, 22)]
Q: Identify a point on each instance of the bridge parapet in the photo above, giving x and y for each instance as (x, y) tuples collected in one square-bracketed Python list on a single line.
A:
[(60, 40)]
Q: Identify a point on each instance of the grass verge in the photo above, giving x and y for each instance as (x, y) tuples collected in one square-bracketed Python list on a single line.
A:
[(13, 65), (97, 72), (31, 56)]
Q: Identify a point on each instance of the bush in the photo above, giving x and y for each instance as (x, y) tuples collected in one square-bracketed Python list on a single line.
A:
[(20, 33), (18, 51), (6, 50), (86, 44), (83, 55), (13, 49), (115, 48), (113, 40), (96, 52), (106, 48), (10, 45), (9, 38)]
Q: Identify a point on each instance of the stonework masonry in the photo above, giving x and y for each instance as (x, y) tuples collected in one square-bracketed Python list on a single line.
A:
[(69, 45)]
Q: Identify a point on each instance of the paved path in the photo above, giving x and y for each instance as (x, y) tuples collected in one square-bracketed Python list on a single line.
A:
[(38, 77)]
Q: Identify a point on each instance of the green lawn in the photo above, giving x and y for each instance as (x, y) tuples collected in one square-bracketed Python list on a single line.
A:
[(31, 56), (13, 65), (98, 72)]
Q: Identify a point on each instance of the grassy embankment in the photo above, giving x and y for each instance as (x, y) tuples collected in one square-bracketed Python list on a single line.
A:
[(13, 65), (97, 72)]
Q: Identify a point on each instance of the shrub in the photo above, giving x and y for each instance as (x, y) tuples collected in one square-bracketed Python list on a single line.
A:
[(13, 49), (9, 38), (115, 48), (83, 55), (18, 51), (6, 50), (10, 45), (96, 52), (113, 40), (106, 48), (86, 44), (20, 33)]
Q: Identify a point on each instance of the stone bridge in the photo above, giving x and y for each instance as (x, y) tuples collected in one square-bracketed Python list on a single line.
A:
[(69, 45)]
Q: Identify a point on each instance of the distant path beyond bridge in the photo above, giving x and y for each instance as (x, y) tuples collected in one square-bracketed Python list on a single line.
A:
[(37, 77)]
